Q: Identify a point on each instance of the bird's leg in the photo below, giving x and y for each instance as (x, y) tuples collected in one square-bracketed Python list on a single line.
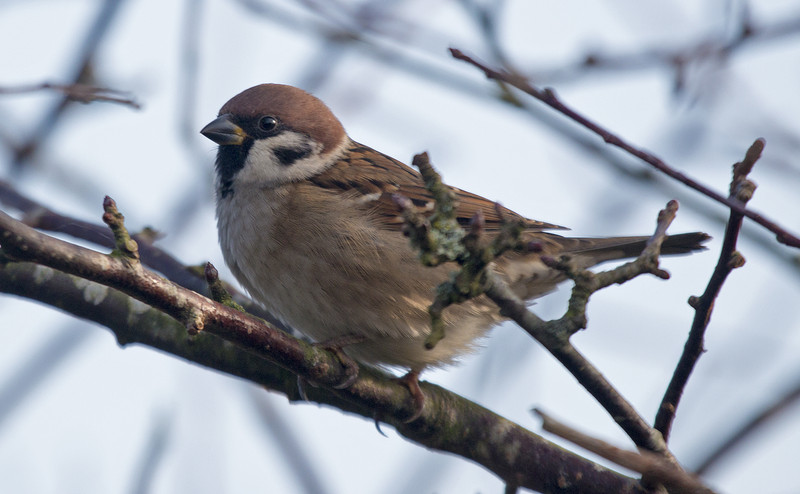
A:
[(335, 345), (411, 381)]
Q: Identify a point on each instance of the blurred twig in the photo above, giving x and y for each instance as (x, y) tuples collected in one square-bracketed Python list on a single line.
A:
[(390, 46), (189, 61), (293, 451), (82, 93), (188, 199), (746, 430), (81, 74), (40, 365), (153, 454), (488, 19), (713, 46)]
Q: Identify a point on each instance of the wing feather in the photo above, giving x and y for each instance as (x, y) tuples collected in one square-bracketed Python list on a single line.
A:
[(375, 176)]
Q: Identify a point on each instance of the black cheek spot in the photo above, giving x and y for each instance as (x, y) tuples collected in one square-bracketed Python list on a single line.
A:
[(288, 155)]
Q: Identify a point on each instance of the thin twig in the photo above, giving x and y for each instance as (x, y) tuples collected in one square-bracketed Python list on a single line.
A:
[(124, 246), (741, 191), (650, 465), (82, 93), (587, 374), (549, 97), (439, 238), (554, 335), (588, 282)]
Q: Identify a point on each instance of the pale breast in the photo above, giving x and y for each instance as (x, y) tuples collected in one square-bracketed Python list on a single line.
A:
[(318, 262)]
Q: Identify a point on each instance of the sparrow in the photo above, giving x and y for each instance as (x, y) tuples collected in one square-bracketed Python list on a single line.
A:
[(307, 224)]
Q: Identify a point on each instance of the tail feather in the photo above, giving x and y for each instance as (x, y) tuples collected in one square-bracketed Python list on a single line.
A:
[(685, 243), (530, 278), (597, 250)]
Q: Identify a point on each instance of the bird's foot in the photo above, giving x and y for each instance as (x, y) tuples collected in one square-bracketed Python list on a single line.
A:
[(411, 381), (335, 345)]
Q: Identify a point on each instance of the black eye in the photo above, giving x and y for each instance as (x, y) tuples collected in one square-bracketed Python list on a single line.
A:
[(267, 123)]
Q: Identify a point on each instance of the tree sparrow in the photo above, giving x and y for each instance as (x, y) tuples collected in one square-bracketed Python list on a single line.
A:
[(308, 226)]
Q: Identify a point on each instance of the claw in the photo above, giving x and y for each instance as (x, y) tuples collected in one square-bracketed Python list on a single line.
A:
[(335, 345), (350, 368), (411, 381), (377, 418)]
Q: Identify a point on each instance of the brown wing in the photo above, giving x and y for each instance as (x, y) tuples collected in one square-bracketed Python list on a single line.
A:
[(375, 177)]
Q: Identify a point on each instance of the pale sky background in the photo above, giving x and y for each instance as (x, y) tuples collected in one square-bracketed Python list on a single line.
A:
[(87, 425)]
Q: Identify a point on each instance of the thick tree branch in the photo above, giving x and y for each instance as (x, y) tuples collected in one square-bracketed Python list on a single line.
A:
[(513, 453), (192, 310), (41, 217)]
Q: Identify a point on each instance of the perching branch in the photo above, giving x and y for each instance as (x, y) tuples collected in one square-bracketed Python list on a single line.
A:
[(39, 216), (172, 313), (194, 311)]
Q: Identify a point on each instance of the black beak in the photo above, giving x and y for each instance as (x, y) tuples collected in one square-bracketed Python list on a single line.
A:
[(224, 132)]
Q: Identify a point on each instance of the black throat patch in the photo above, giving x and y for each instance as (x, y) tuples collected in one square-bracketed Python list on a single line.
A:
[(230, 159)]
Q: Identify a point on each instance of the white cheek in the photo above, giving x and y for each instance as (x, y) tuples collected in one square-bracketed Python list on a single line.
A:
[(263, 169)]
